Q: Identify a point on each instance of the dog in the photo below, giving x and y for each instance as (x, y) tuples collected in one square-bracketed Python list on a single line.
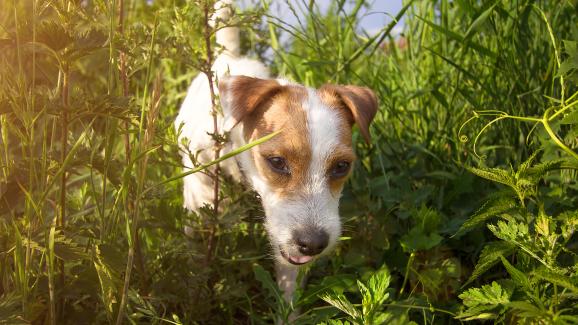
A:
[(300, 173)]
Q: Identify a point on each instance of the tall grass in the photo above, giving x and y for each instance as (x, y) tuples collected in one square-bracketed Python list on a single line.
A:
[(91, 213)]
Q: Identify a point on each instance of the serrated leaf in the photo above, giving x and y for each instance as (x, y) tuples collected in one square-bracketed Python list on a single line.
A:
[(542, 224), (374, 293), (489, 210), (518, 276), (568, 222), (571, 62), (527, 310), (568, 282), (109, 281), (492, 295), (526, 164), (272, 289), (570, 118), (267, 282), (378, 284), (511, 231), (494, 174), (341, 302), (54, 35), (490, 256)]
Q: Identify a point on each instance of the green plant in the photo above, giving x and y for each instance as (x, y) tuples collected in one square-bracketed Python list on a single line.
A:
[(374, 294), (535, 228), (90, 165), (543, 281)]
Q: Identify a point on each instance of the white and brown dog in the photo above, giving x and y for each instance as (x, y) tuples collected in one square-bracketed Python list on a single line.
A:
[(300, 173)]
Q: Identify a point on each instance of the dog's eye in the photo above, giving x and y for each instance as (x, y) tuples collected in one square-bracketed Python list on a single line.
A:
[(340, 169), (278, 165)]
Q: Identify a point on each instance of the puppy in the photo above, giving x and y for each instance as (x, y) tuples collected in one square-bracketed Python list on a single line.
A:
[(299, 173)]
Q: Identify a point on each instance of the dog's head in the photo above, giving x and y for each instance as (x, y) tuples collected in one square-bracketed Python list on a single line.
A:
[(300, 173)]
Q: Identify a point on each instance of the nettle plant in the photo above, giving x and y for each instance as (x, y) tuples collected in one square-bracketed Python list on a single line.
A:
[(536, 221), (534, 247), (374, 293)]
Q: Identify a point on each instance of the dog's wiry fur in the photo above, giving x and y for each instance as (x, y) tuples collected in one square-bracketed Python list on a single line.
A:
[(301, 200)]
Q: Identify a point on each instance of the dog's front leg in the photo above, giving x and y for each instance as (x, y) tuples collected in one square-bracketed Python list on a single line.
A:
[(287, 281)]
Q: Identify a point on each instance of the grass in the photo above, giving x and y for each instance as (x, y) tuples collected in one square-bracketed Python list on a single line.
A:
[(477, 126)]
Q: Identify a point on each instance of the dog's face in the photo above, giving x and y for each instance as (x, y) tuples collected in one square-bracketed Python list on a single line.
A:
[(300, 173)]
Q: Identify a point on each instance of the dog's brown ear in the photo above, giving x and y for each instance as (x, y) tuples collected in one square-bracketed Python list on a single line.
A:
[(360, 101), (241, 95)]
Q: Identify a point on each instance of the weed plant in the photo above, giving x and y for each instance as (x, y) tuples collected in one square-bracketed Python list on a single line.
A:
[(463, 208)]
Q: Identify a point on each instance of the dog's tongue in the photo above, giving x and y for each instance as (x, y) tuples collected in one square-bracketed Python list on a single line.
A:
[(300, 259)]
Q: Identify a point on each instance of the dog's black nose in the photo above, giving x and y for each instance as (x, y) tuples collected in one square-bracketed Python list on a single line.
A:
[(311, 241)]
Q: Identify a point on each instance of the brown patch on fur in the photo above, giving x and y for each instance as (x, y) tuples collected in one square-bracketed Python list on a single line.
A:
[(282, 111), (360, 102), (265, 106), (245, 94)]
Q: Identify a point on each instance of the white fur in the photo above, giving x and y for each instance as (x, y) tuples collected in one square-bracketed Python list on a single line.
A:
[(316, 206), (197, 122)]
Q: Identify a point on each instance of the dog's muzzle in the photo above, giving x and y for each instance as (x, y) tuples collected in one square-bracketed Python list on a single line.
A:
[(306, 243)]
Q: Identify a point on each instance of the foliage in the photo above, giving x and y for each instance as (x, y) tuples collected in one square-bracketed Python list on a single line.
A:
[(438, 228)]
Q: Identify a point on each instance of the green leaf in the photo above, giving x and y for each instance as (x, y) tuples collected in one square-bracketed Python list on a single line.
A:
[(568, 222), (416, 240), (518, 276), (67, 250), (489, 210), (374, 293), (480, 21), (492, 295), (109, 282), (571, 62), (341, 302), (511, 231), (526, 164), (267, 282), (477, 313), (495, 175), (335, 322), (526, 309), (484, 303), (568, 282), (490, 256), (459, 38), (338, 283), (570, 118)]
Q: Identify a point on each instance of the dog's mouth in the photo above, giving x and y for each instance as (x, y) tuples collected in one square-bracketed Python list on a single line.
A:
[(295, 260)]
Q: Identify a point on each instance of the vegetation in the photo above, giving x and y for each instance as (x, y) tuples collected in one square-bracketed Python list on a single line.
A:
[(464, 208)]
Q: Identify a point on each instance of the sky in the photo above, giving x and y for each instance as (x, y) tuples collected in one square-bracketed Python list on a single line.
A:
[(379, 14)]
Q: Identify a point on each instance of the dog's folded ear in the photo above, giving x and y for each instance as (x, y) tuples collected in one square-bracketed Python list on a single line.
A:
[(360, 101), (241, 95)]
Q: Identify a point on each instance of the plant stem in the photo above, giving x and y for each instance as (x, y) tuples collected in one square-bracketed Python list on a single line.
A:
[(207, 30), (61, 222), (133, 215), (407, 268), (555, 137), (123, 76)]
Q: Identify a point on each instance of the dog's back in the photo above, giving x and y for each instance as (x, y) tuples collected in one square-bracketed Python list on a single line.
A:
[(195, 121)]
